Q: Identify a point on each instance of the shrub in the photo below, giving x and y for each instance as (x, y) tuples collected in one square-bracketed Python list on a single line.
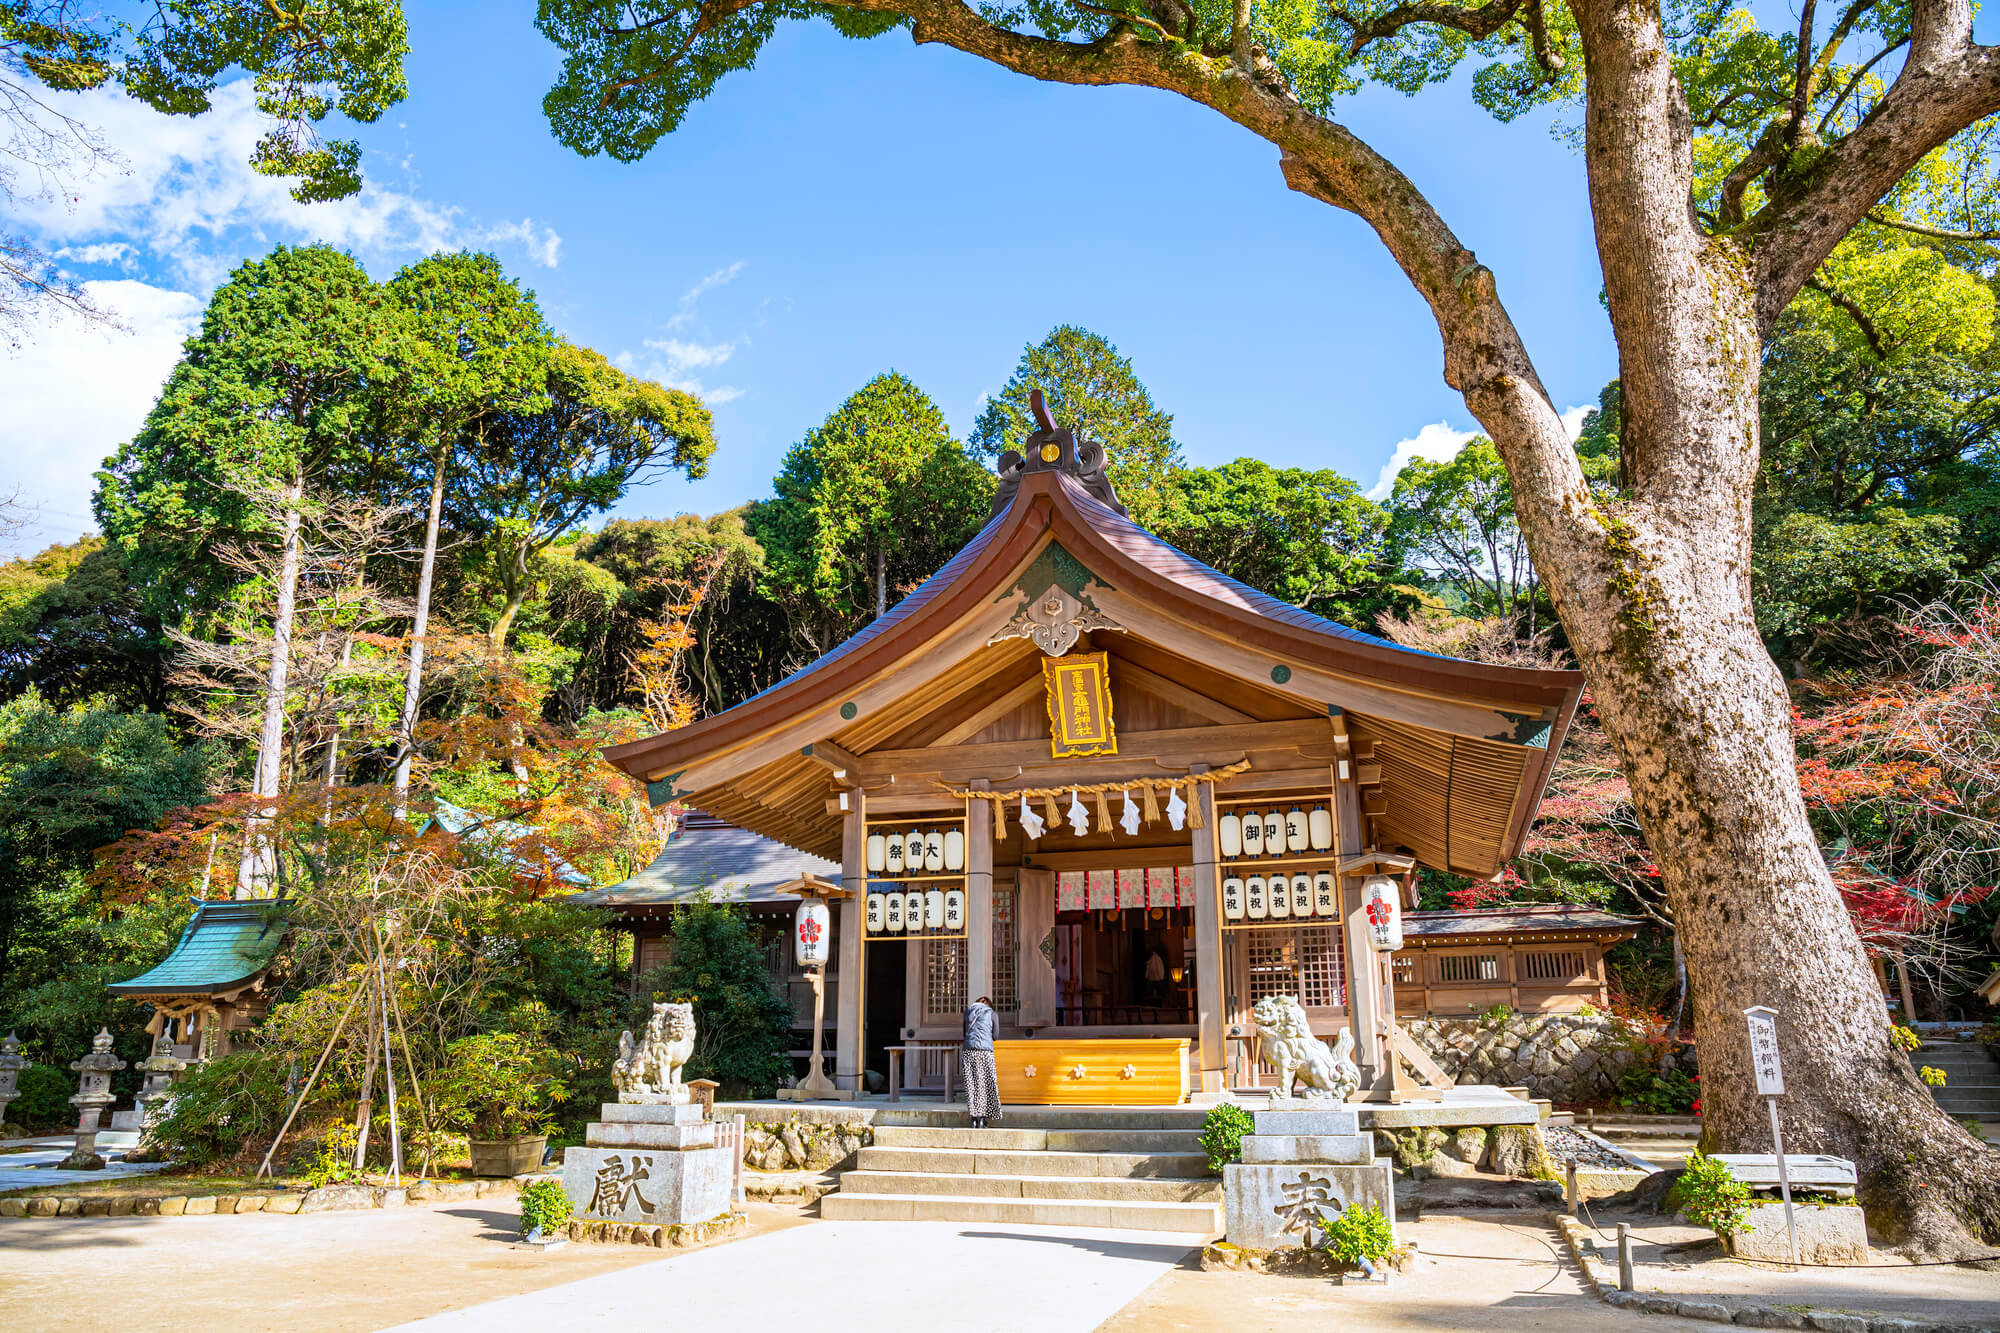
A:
[(1710, 1195), (1904, 1039), (1359, 1232), (1222, 1132), (1671, 1093), (44, 1102), (221, 1105), (499, 1085), (1932, 1075), (743, 1024), (544, 1206), (334, 1162)]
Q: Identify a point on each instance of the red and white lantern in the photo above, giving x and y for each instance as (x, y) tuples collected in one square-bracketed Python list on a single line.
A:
[(1379, 903), (812, 933)]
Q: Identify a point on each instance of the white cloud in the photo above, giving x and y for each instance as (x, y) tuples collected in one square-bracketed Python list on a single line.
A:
[(186, 196), (1437, 442), (1440, 443), (721, 277), (78, 391), (104, 252), (671, 359), (680, 356)]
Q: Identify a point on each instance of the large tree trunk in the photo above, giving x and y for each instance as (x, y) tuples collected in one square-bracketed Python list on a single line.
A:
[(413, 679), (258, 867)]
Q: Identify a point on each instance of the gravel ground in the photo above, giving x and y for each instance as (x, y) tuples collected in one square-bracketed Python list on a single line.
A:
[(1565, 1143)]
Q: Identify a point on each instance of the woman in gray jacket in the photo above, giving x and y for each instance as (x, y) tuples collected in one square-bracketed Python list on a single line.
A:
[(975, 1063)]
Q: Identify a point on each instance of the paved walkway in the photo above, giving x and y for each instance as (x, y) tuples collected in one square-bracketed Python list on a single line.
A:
[(37, 1166), (884, 1277)]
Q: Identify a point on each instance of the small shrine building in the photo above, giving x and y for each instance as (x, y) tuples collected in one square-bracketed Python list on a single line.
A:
[(1121, 794)]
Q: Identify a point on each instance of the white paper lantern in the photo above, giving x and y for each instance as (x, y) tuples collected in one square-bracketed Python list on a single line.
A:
[(1295, 830), (1232, 898), (954, 850), (1379, 902), (1274, 833), (1319, 825), (1253, 834), (954, 909), (812, 933), (913, 852), (934, 909), (1302, 895), (1279, 892), (1256, 905), (1324, 901), (934, 851), (913, 910), (892, 913), (892, 854), (875, 913), (1229, 832), (878, 852)]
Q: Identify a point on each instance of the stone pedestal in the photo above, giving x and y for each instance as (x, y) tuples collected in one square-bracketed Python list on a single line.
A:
[(649, 1162), (1301, 1167)]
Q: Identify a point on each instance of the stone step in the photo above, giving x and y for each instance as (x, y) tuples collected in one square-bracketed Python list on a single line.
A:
[(1050, 1117), (980, 1161), (1123, 1140), (1190, 1219), (961, 1136), (1097, 1188)]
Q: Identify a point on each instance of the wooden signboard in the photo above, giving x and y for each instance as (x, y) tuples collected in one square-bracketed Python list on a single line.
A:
[(1079, 699)]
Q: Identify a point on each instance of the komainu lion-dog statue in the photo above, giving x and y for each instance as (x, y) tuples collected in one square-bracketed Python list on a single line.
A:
[(1299, 1057), (649, 1070)]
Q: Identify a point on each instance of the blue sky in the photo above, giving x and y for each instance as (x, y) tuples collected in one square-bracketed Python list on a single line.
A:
[(844, 208)]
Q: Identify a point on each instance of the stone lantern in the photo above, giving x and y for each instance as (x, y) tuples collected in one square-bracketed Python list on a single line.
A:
[(93, 1096), (12, 1062), (161, 1068)]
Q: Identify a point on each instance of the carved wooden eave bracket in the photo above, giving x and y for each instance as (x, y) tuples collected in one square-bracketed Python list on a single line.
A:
[(1054, 621)]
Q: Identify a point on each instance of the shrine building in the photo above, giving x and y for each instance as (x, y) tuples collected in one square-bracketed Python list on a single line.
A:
[(1124, 796)]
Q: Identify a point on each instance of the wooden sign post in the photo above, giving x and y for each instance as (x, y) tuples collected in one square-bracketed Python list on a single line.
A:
[(1763, 1022)]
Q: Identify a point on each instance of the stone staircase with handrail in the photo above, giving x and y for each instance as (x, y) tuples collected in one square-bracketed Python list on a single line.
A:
[(1132, 1169)]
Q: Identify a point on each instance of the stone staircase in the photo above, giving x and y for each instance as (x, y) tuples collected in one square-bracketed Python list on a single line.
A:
[(1133, 1169), (1972, 1077)]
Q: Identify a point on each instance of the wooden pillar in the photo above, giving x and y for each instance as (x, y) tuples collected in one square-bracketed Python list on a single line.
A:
[(1034, 920), (849, 1018), (1208, 1001), (978, 896), (1364, 984)]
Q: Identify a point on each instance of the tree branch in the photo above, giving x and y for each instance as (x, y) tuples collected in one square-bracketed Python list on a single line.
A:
[(1853, 309), (1484, 21), (1876, 215)]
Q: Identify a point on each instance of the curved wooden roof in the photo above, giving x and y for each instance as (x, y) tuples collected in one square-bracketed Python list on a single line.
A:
[(1463, 747)]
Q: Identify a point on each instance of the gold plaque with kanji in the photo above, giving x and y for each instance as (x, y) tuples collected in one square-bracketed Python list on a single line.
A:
[(1079, 689)]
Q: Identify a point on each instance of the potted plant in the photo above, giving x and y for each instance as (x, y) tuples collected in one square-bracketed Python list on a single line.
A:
[(499, 1089)]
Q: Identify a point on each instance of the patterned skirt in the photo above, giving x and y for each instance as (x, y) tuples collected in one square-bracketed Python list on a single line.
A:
[(981, 1078)]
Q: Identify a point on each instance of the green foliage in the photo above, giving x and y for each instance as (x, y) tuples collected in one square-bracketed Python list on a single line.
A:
[(307, 60), (1932, 1075), (498, 1085), (868, 505), (222, 1106), (544, 1207), (1222, 1131), (74, 630), (743, 1025), (1360, 1231), (1306, 536), (1455, 521), (1710, 1195), (44, 1101), (333, 1158), (1650, 1093), (1498, 1013), (278, 390), (1088, 386), (1812, 570), (1904, 1039)]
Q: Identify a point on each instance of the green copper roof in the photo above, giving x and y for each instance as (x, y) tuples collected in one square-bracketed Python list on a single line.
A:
[(225, 944)]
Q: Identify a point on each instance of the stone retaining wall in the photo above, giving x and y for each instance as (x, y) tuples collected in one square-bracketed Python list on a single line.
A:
[(1570, 1058), (326, 1199), (798, 1144)]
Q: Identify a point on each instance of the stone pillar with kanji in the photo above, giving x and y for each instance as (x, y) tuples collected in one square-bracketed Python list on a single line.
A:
[(93, 1097)]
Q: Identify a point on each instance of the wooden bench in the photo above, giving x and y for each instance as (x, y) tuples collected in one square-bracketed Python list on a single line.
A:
[(919, 1048)]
